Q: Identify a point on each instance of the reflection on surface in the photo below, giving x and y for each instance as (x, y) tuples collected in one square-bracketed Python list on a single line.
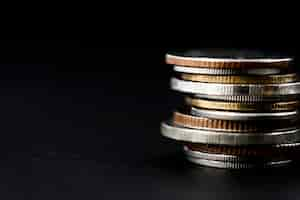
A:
[(213, 182)]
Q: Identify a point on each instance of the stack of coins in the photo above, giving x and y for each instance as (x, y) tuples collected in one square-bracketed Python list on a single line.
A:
[(240, 108)]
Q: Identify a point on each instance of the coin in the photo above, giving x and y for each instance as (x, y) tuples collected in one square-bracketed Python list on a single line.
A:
[(268, 79), (237, 158), (255, 151), (236, 164), (179, 133), (217, 71), (227, 59), (204, 123), (248, 99), (240, 106), (244, 116), (235, 89)]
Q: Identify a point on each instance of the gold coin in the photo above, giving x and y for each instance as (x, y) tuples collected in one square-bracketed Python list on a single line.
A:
[(191, 121), (234, 63), (237, 106), (269, 79)]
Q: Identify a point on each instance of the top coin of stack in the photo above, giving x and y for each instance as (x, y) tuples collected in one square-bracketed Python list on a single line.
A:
[(235, 101)]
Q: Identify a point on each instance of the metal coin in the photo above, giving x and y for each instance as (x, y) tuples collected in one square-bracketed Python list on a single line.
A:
[(235, 89), (229, 126), (248, 99), (230, 158), (212, 156), (192, 135), (216, 71), (237, 106), (268, 79), (244, 116), (249, 151), (237, 165), (227, 59)]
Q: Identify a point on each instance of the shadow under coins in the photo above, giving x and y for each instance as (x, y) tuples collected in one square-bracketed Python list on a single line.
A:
[(175, 164)]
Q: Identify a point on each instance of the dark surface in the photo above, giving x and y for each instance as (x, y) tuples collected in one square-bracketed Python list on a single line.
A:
[(82, 123)]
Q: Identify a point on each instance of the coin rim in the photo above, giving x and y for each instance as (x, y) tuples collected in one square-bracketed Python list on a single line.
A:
[(226, 62), (179, 133), (235, 79), (204, 123), (236, 165), (226, 157), (241, 106), (243, 116), (265, 90), (245, 151), (246, 99), (225, 71)]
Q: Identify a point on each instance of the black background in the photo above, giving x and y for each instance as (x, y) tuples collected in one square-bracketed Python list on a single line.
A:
[(81, 121)]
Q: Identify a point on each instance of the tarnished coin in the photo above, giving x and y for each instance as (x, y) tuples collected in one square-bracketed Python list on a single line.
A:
[(228, 59), (242, 106)]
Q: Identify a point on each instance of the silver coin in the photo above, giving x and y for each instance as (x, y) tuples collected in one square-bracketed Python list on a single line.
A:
[(241, 116), (237, 165), (227, 71), (224, 157), (235, 89), (247, 99), (211, 136), (212, 156)]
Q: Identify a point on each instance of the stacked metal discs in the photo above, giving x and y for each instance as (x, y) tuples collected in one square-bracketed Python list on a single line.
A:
[(240, 110)]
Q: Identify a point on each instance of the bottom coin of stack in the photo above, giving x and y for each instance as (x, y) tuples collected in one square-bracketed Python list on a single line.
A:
[(235, 120), (235, 144), (226, 158)]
